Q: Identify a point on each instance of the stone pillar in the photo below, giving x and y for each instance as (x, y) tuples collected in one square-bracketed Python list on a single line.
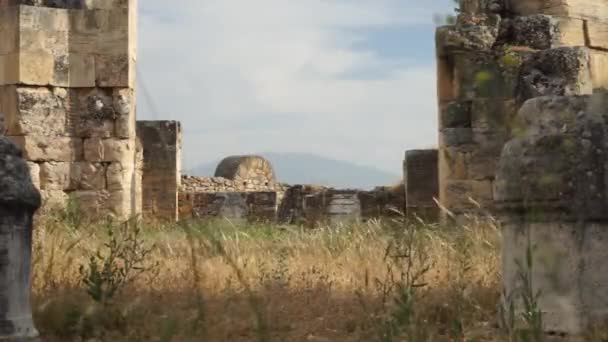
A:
[(552, 194), (161, 174), (19, 199), (67, 98), (421, 183), (493, 60)]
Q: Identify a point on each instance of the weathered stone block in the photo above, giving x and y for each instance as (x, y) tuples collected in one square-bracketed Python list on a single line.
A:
[(559, 71), (462, 194), (88, 176), (492, 116), (40, 148), (120, 177), (54, 200), (44, 18), (421, 179), (32, 111), (483, 75), (90, 203), (543, 31), (40, 41), (74, 70), (33, 69), (446, 89), (72, 176), (455, 114), (55, 176), (109, 150), (582, 9), (455, 136), (120, 203), (114, 70), (453, 163), (599, 65), (597, 34)]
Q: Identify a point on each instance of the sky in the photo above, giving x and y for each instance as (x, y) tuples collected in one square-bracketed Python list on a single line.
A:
[(352, 80)]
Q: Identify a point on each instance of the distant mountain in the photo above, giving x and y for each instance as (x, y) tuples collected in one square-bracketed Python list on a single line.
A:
[(304, 168)]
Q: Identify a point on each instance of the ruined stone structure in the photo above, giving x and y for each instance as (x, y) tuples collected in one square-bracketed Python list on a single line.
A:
[(522, 95), (252, 206), (161, 171), (498, 55), (421, 183), (250, 171), (552, 192), (19, 199), (67, 99)]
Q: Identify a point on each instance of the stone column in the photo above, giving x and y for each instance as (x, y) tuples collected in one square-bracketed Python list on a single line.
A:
[(551, 192), (162, 144), (421, 179), (19, 199)]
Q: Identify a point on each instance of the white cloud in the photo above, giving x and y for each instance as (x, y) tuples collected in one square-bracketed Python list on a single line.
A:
[(251, 76)]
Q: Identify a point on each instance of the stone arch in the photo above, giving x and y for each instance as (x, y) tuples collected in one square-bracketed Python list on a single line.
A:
[(250, 170)]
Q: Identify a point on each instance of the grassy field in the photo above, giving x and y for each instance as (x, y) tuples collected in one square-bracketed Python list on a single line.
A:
[(216, 281)]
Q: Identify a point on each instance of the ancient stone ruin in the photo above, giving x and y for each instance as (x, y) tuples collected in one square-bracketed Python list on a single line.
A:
[(19, 199), (67, 99), (522, 94), (552, 193), (498, 55)]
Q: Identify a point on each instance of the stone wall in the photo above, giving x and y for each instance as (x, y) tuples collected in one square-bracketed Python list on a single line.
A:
[(235, 206), (497, 55), (421, 183), (161, 173), (221, 184), (67, 98)]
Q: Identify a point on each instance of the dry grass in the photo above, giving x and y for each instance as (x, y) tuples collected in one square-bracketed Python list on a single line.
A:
[(218, 282)]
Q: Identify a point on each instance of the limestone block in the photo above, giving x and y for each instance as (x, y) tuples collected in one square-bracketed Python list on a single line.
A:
[(33, 111), (89, 21), (88, 176), (490, 116), (457, 194), (91, 113), (599, 65), (120, 202), (54, 200), (582, 9), (484, 75), (114, 70), (445, 79), (72, 176), (467, 36), (455, 136), (34, 173), (55, 176), (108, 4), (120, 176), (543, 31), (9, 39), (597, 34), (74, 70), (83, 43), (41, 41), (27, 68), (559, 71), (453, 163), (109, 150), (44, 18), (456, 114), (421, 178), (41, 148), (124, 106), (93, 204), (557, 160)]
